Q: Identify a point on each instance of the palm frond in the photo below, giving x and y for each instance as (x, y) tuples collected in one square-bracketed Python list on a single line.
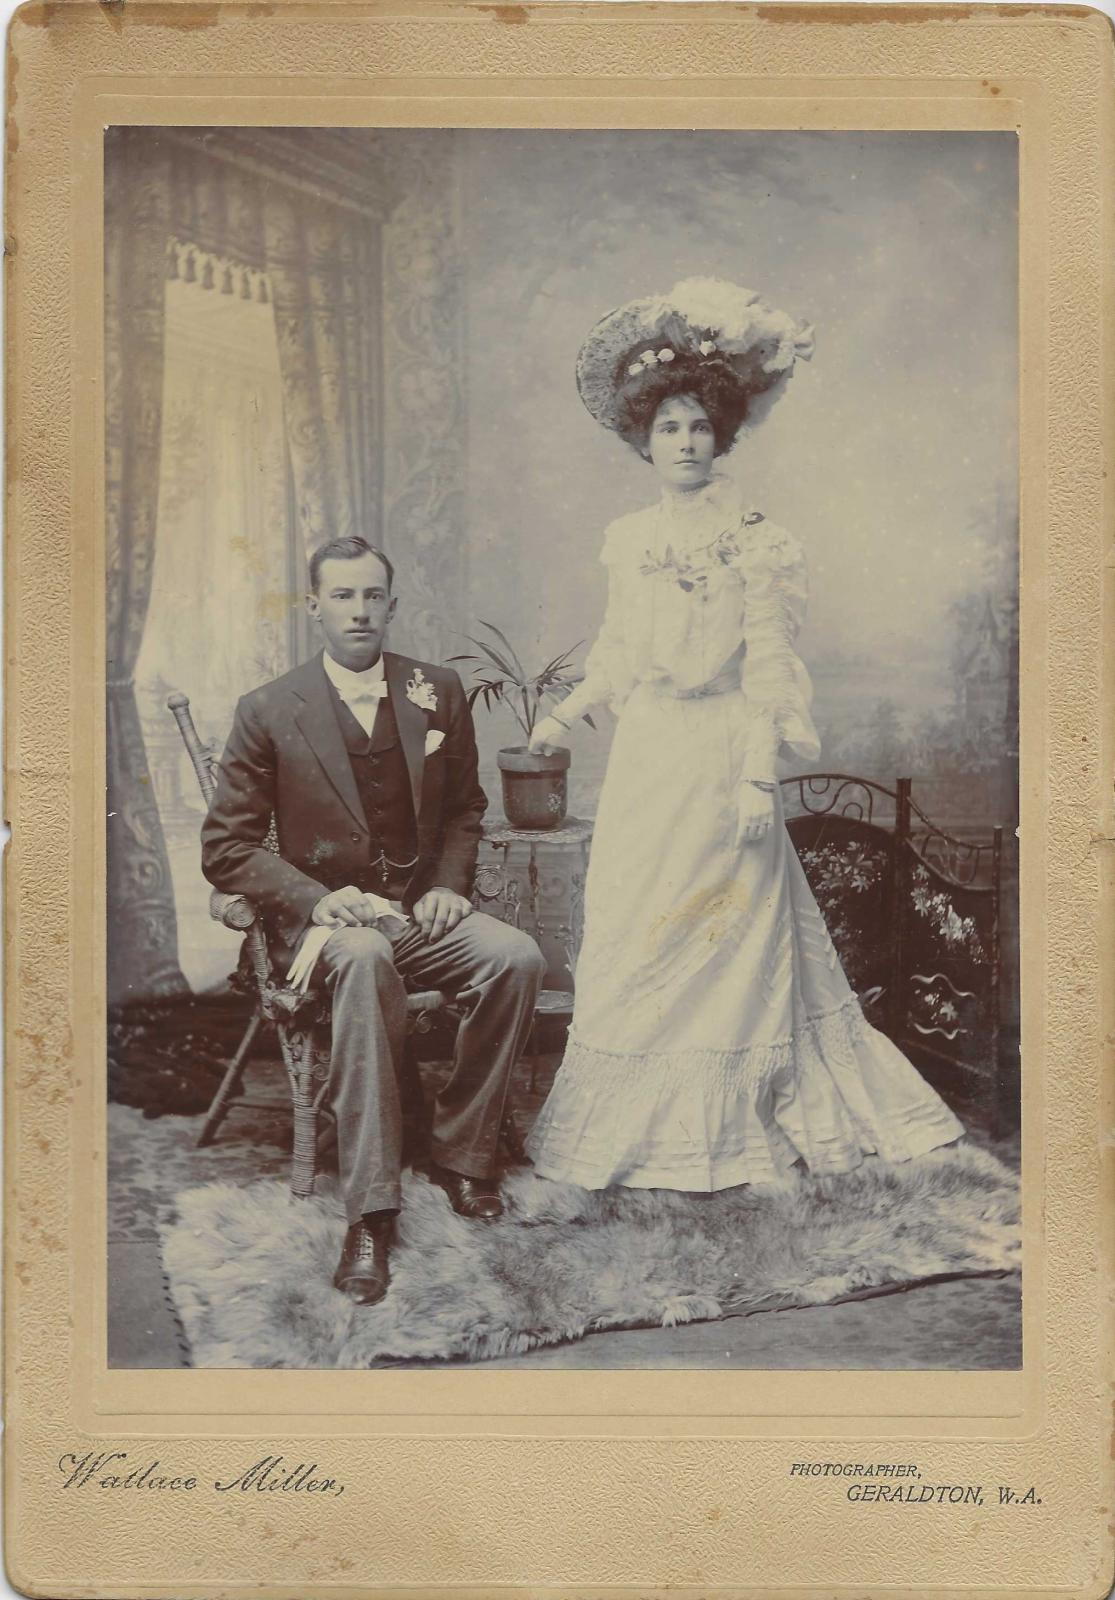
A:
[(544, 683), (551, 668), (515, 685), (559, 663), (508, 646), (493, 656), (495, 693)]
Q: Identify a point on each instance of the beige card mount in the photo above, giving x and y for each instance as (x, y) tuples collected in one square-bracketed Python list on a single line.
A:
[(458, 192)]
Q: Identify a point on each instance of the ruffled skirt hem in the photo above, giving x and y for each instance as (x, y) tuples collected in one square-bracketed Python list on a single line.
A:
[(834, 1092)]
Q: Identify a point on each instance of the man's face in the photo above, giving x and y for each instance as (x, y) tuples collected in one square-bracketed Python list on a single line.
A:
[(353, 605)]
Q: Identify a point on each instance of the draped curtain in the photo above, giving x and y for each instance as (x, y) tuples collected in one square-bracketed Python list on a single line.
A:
[(320, 250), (225, 610), (143, 945), (323, 271)]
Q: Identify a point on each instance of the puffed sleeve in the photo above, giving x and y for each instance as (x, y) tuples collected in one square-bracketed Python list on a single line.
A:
[(608, 678), (776, 686)]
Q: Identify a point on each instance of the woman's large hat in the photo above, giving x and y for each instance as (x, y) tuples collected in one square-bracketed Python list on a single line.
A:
[(701, 319)]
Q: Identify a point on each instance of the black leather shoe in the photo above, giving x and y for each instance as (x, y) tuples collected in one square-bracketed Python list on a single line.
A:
[(475, 1198), (362, 1273)]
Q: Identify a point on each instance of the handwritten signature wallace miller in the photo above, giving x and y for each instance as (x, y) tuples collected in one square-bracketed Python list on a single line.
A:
[(106, 1470)]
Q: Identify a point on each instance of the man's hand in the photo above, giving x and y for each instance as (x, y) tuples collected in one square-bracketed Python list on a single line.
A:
[(344, 908), (439, 911)]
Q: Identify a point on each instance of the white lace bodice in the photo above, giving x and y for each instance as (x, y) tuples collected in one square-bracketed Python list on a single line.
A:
[(696, 584)]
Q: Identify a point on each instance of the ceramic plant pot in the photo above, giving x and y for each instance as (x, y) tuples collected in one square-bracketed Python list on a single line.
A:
[(535, 788)]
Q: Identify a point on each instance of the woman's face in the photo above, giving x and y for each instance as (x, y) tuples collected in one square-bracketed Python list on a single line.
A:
[(682, 443)]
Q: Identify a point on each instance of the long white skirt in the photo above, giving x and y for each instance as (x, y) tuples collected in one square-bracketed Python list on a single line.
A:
[(715, 1039)]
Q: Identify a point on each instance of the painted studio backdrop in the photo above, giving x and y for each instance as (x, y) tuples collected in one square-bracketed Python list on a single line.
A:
[(318, 332)]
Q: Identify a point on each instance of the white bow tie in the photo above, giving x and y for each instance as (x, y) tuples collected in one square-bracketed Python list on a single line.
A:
[(376, 690)]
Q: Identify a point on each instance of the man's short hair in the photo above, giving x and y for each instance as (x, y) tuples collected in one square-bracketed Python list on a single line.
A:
[(350, 549)]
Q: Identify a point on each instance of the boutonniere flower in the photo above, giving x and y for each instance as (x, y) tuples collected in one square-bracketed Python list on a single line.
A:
[(434, 740), (420, 691)]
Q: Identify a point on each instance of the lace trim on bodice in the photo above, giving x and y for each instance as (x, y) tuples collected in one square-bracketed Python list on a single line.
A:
[(706, 549)]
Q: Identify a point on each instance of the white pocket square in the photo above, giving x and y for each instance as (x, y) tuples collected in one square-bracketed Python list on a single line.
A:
[(434, 740)]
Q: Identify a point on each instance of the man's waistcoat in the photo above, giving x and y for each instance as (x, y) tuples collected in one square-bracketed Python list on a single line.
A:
[(380, 770)]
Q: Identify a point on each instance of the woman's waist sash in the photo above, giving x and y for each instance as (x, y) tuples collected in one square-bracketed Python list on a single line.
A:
[(726, 680)]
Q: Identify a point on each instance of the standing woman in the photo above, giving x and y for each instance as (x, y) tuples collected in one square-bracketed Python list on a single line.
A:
[(715, 1039)]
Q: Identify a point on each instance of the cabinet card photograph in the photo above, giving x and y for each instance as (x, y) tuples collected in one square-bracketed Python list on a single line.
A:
[(559, 645), (562, 598)]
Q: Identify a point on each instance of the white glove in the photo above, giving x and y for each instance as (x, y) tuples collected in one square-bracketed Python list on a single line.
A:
[(313, 943), (388, 913), (755, 813), (549, 734)]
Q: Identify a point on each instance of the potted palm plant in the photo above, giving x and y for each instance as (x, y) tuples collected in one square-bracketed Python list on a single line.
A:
[(535, 787)]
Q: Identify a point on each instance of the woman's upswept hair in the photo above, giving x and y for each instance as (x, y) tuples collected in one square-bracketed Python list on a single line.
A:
[(714, 383)]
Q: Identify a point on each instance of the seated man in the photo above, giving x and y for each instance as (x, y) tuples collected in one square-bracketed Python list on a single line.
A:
[(367, 761)]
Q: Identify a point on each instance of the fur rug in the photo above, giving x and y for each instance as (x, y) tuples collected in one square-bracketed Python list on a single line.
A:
[(250, 1269)]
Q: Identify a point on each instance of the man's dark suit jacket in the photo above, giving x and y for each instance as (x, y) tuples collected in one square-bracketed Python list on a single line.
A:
[(286, 758)]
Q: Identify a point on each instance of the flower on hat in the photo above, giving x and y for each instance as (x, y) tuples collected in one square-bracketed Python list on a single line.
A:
[(723, 308), (782, 357), (702, 318), (648, 359), (804, 342)]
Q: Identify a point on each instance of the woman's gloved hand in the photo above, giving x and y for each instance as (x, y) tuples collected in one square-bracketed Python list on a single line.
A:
[(755, 814), (549, 734)]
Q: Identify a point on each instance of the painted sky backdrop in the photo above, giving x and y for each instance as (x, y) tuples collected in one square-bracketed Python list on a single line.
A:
[(893, 455)]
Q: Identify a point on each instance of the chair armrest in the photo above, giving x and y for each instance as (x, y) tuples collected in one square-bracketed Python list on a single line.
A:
[(426, 1000), (233, 910), (282, 1003), (425, 1004)]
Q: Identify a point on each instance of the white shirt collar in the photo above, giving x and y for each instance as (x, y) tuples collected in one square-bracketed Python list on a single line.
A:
[(343, 678)]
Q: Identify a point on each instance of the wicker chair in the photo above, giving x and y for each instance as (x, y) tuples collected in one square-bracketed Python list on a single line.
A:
[(301, 1021)]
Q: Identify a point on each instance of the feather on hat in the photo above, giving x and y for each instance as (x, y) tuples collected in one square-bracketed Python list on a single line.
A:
[(699, 318)]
